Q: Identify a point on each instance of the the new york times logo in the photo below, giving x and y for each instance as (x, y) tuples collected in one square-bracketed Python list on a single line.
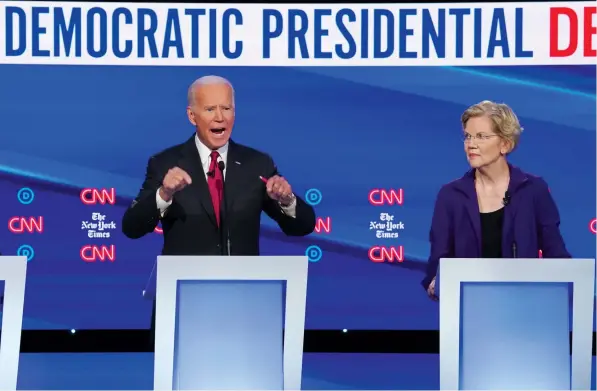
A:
[(98, 227), (386, 227)]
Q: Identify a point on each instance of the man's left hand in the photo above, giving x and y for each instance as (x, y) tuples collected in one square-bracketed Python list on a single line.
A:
[(278, 189)]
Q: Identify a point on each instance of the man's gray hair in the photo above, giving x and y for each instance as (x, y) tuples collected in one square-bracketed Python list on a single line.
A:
[(207, 80)]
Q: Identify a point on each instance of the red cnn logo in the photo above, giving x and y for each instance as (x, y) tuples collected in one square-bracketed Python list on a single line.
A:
[(379, 197), (381, 254), (19, 225), (593, 226), (98, 196), (91, 253), (578, 26), (324, 225)]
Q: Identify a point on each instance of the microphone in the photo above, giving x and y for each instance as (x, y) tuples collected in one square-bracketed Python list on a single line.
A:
[(225, 231), (211, 173), (506, 199), (514, 253)]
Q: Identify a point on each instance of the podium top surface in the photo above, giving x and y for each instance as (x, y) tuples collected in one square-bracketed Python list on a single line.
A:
[(517, 269), (12, 266), (233, 267)]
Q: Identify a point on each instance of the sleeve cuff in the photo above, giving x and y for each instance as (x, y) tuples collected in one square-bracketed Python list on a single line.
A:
[(162, 205), (290, 210)]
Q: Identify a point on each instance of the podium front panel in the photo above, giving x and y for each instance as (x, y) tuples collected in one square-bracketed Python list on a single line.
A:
[(515, 335), (504, 323), (225, 323), (229, 335), (13, 271)]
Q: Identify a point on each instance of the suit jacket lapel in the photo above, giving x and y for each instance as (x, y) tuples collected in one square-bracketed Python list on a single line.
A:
[(472, 207), (191, 162), (233, 182), (517, 179)]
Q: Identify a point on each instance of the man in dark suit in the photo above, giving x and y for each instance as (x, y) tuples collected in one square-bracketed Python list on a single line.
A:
[(209, 192), (184, 186)]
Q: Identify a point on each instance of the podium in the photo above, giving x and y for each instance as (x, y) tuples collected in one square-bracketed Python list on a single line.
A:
[(229, 323), (505, 323), (13, 271)]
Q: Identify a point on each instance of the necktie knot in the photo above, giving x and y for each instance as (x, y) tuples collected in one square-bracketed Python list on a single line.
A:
[(214, 160)]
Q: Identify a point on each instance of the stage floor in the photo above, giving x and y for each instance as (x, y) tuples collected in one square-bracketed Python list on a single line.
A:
[(321, 371)]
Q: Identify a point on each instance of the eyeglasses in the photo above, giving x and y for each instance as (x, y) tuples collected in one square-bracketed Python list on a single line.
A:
[(480, 137)]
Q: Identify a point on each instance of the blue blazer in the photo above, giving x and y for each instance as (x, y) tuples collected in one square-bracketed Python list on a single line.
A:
[(531, 220)]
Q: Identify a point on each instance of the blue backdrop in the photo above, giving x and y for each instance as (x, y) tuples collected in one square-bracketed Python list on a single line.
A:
[(342, 131)]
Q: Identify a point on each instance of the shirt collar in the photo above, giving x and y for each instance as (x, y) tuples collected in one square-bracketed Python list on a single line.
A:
[(205, 152)]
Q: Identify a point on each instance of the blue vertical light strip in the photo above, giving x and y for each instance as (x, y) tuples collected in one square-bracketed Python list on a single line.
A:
[(176, 371)]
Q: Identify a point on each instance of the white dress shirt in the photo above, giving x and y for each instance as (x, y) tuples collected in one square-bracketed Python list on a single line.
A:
[(205, 155)]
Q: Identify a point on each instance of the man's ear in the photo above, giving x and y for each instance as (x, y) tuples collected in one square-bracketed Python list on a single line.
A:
[(191, 116)]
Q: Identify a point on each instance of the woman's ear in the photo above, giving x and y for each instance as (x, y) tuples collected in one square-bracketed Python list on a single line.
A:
[(506, 147)]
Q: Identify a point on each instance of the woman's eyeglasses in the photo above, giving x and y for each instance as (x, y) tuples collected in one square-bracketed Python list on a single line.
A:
[(479, 137)]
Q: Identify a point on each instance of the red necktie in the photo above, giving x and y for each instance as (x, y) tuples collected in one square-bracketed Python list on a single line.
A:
[(215, 182)]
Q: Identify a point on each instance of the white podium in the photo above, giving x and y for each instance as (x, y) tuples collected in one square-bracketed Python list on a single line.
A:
[(505, 323), (13, 271), (229, 323)]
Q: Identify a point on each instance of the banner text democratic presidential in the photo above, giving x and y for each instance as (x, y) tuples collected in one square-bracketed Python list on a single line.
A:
[(228, 33)]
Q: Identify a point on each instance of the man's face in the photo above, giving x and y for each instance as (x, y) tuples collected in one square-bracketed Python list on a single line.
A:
[(212, 113)]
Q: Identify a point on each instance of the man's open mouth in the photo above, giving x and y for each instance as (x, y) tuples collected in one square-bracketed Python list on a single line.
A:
[(218, 131)]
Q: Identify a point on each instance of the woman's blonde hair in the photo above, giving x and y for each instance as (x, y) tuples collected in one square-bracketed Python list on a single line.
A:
[(505, 122)]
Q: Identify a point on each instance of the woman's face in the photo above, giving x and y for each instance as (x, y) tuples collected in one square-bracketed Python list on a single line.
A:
[(481, 144)]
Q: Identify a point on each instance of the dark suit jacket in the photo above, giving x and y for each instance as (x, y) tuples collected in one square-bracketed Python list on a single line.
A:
[(531, 220), (189, 225)]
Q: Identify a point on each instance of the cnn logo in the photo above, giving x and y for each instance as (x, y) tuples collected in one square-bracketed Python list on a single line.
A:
[(323, 225), (94, 196), (19, 225), (378, 197), (380, 254), (92, 254)]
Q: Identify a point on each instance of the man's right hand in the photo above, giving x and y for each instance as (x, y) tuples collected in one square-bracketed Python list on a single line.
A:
[(175, 180)]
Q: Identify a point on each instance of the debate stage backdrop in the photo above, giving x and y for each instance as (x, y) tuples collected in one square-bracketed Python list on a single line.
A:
[(370, 147)]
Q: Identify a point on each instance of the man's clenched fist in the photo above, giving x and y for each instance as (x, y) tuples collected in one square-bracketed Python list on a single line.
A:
[(175, 180), (279, 189)]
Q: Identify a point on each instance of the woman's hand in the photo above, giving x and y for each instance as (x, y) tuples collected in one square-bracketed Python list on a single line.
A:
[(431, 290)]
